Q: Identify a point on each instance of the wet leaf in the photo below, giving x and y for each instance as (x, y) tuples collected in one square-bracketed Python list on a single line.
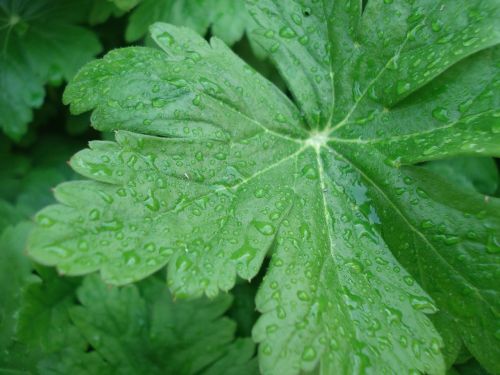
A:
[(213, 168)]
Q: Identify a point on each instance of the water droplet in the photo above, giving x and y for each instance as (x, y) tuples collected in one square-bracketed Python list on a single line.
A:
[(158, 102), (269, 34), (305, 233), (493, 244), (245, 253), (266, 349), (297, 19), (264, 228), (197, 100), (274, 47), (436, 25), (445, 39), (45, 221), (130, 258), (165, 252), (58, 252), (165, 38), (309, 354), (440, 114), (94, 214), (303, 296), (220, 156), (280, 312), (287, 32), (469, 42), (271, 328), (310, 172), (259, 193), (435, 347), (402, 87), (408, 280), (423, 304), (152, 262), (393, 315), (426, 224), (451, 240), (304, 39), (416, 348)]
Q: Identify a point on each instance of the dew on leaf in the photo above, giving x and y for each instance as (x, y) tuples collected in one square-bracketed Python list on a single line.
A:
[(303, 296), (281, 313), (309, 354), (45, 221), (266, 229), (402, 87), (422, 304), (297, 19), (266, 349), (304, 39), (493, 243), (408, 280), (287, 32), (441, 114), (166, 38), (310, 172), (58, 251)]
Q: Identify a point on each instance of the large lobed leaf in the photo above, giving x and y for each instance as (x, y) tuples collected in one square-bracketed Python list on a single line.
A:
[(213, 168)]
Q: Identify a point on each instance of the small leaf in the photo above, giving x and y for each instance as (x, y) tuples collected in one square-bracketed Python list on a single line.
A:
[(40, 43), (227, 18)]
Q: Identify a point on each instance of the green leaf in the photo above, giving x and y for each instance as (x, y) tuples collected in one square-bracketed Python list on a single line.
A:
[(238, 360), (141, 330), (27, 178), (39, 43), (125, 5), (8, 215), (227, 18), (473, 174), (34, 320), (213, 168), (12, 243), (43, 318), (101, 10)]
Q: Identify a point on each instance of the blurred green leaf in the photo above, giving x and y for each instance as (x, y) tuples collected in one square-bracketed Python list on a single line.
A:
[(40, 42)]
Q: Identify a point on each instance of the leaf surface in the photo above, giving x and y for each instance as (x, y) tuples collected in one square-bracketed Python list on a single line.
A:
[(213, 168)]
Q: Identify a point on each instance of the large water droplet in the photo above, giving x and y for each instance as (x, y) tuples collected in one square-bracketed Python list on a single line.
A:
[(264, 228)]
